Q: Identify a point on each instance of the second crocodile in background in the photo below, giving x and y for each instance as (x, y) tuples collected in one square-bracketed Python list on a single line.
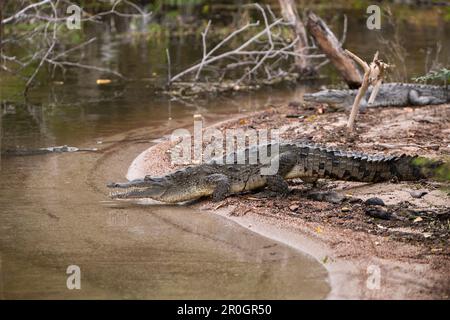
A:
[(390, 94), (295, 160)]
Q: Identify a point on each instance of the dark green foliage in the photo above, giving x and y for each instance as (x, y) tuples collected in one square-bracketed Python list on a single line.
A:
[(439, 170), (443, 172), (442, 75)]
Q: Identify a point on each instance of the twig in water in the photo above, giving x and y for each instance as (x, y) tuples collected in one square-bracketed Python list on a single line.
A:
[(169, 76)]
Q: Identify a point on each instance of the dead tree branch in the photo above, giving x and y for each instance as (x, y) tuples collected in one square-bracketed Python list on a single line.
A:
[(330, 45), (373, 75), (262, 53), (46, 45), (290, 14)]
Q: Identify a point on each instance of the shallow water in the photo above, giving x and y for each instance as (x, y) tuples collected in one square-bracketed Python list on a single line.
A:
[(54, 209), (56, 213)]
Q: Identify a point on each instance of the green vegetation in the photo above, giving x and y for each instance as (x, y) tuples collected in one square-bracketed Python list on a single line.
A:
[(432, 168), (442, 75), (443, 172), (447, 14)]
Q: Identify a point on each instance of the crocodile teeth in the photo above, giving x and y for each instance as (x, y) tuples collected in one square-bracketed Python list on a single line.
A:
[(123, 193)]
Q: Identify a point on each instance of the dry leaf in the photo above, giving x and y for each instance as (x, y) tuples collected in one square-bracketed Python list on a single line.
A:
[(311, 118), (103, 81)]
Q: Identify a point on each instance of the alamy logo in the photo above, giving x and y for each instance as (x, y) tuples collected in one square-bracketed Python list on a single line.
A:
[(374, 20), (374, 277), (117, 219), (74, 19), (226, 147), (74, 278)]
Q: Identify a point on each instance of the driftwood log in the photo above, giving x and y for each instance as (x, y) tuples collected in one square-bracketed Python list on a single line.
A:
[(330, 45)]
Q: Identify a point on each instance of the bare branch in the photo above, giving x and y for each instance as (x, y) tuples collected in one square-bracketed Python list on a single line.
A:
[(169, 76), (373, 75), (78, 47), (30, 80), (344, 31), (42, 45), (361, 62), (268, 43), (85, 66), (21, 12), (204, 34), (269, 38)]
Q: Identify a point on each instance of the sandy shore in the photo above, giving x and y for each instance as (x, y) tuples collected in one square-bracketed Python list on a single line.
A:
[(404, 257)]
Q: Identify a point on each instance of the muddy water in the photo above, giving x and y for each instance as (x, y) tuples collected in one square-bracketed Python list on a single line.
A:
[(55, 213)]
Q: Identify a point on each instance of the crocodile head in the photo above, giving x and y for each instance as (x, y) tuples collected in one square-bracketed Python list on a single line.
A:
[(183, 185), (332, 97), (149, 187)]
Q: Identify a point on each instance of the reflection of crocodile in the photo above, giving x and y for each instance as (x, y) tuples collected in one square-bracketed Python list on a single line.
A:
[(295, 160), (32, 152), (390, 94)]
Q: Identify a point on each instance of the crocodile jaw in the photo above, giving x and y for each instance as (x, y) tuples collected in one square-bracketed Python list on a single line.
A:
[(160, 190), (132, 193), (140, 188)]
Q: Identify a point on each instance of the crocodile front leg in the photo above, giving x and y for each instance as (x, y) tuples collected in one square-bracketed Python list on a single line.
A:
[(221, 185), (310, 180), (416, 99), (278, 185)]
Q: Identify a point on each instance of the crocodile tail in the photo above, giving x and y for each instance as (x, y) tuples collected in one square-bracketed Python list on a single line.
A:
[(416, 168), (355, 166)]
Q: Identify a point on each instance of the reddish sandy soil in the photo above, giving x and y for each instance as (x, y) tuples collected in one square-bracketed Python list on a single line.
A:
[(406, 241)]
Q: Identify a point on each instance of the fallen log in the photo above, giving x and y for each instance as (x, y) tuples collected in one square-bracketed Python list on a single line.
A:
[(330, 45)]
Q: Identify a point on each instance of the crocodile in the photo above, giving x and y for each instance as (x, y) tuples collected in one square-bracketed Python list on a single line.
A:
[(390, 94), (303, 160), (40, 151)]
